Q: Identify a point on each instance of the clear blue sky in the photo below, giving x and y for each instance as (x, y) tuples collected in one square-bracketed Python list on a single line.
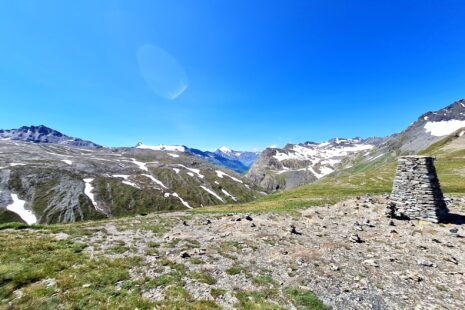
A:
[(246, 74)]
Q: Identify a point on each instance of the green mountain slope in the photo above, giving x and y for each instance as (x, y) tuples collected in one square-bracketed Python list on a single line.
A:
[(364, 177)]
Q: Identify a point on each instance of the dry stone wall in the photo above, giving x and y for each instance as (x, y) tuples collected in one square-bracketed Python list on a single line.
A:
[(416, 192)]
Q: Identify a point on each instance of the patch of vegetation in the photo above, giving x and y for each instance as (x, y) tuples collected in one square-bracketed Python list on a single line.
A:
[(173, 265), (75, 280), (196, 261), (204, 277), (235, 269), (176, 297), (217, 292), (257, 300), (14, 225), (304, 299), (264, 280), (118, 248)]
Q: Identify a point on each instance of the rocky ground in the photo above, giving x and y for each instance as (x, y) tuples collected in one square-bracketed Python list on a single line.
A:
[(350, 255)]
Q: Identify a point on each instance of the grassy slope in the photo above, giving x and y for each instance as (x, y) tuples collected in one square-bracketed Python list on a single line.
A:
[(38, 271), (374, 177)]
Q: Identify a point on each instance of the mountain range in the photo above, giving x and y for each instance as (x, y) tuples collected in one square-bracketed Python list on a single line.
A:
[(49, 177)]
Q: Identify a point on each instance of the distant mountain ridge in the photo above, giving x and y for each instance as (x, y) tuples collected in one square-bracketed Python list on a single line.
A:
[(429, 128), (238, 161), (299, 164), (43, 134)]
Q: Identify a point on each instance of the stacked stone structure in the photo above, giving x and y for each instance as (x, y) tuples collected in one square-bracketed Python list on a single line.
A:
[(416, 192)]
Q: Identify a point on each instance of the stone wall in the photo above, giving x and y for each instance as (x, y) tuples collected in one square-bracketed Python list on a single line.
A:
[(416, 192)]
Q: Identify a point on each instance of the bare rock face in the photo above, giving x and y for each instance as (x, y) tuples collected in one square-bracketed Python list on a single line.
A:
[(416, 192)]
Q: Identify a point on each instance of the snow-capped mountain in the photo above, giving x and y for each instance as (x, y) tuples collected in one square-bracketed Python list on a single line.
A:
[(298, 164), (426, 130), (235, 160), (56, 183), (43, 134), (161, 147), (245, 157)]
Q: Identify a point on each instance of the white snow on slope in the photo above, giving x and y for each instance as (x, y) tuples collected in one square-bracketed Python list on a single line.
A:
[(173, 155), (67, 161), (161, 147), (443, 128), (196, 171), (151, 177), (212, 193), (322, 156), (141, 165), (228, 194), (18, 207), (88, 191), (299, 152), (185, 203), (126, 180), (221, 174), (176, 170), (16, 164)]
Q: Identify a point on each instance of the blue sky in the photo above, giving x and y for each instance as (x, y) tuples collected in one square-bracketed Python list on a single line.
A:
[(243, 73)]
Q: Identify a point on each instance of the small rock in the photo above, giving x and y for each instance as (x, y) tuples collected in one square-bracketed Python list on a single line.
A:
[(238, 219), (451, 259), (333, 267), (355, 238), (249, 218), (391, 223), (454, 230), (61, 236), (253, 225), (185, 255), (207, 222), (426, 263), (185, 223), (371, 262), (294, 231), (435, 240)]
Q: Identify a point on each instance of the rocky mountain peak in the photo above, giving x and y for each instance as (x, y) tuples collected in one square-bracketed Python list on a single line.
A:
[(224, 149), (43, 134)]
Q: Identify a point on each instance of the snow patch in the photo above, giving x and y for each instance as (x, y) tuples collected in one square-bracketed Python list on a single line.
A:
[(67, 161), (151, 177), (162, 147), (221, 174), (141, 165), (126, 181), (88, 191), (196, 171), (18, 207), (212, 193), (173, 155), (228, 194), (185, 203), (443, 128), (176, 170)]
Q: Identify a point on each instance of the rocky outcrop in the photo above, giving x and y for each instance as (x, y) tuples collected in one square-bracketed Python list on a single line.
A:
[(43, 134), (416, 192), (300, 164)]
